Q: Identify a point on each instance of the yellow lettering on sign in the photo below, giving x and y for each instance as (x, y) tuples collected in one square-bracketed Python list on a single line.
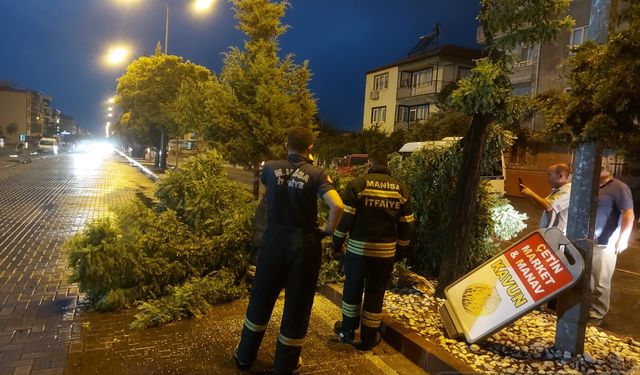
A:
[(507, 281)]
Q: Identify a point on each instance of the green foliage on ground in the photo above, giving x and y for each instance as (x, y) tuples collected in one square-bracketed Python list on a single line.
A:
[(193, 298), (202, 195), (177, 258)]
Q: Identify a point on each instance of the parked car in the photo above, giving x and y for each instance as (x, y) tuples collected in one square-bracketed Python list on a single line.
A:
[(346, 163), (48, 145)]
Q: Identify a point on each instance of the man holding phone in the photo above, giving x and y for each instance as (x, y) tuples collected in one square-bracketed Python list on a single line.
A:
[(556, 204)]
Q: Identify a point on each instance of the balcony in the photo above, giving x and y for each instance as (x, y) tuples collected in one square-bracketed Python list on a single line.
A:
[(523, 72), (433, 87)]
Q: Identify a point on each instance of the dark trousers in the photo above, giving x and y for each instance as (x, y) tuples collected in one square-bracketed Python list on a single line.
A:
[(289, 258), (372, 276)]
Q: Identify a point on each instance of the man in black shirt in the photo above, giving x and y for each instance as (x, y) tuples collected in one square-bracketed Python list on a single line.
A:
[(291, 253)]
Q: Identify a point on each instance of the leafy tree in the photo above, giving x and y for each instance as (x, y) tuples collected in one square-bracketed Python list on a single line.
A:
[(259, 95), (445, 123), (485, 96), (602, 105), (332, 143), (146, 93)]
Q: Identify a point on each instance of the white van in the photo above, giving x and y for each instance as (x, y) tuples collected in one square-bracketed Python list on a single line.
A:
[(495, 178), (48, 145)]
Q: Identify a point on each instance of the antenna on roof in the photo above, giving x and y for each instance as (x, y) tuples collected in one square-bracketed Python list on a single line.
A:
[(425, 41)]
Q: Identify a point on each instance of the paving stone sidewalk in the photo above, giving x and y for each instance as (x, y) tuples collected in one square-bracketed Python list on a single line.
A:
[(43, 329)]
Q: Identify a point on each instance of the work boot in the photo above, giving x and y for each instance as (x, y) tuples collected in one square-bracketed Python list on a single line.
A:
[(239, 364), (344, 335), (364, 346)]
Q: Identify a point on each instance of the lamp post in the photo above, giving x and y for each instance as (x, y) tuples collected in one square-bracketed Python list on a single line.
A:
[(197, 7)]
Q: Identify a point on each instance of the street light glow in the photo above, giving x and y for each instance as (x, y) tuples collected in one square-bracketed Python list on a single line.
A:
[(117, 55), (127, 2), (112, 100), (199, 6)]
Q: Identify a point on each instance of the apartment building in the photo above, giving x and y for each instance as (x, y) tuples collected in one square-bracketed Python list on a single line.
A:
[(23, 113), (404, 92), (539, 70)]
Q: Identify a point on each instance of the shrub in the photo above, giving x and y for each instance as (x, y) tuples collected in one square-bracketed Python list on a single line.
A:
[(187, 252), (193, 298), (202, 195), (430, 174)]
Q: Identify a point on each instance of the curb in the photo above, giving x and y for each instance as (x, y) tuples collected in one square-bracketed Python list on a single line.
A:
[(425, 354)]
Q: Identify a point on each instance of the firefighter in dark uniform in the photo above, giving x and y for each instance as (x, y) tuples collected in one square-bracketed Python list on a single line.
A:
[(291, 253), (378, 220)]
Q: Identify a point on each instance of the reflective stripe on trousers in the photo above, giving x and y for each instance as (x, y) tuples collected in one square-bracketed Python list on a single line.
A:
[(290, 259)]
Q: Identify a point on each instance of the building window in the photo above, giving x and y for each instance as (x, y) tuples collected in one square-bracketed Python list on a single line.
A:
[(579, 35), (526, 53), (381, 82), (378, 115), (405, 79), (402, 114), (422, 78), (418, 112), (463, 72)]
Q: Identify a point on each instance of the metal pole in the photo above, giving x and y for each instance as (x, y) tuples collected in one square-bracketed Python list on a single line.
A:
[(573, 306), (166, 31)]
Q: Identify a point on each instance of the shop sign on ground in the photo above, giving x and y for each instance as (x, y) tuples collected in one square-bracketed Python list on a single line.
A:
[(509, 285)]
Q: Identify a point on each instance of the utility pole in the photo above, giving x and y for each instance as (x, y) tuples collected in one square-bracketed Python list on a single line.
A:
[(166, 31), (573, 306)]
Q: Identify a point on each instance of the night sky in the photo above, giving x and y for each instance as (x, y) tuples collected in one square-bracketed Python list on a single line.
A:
[(56, 46)]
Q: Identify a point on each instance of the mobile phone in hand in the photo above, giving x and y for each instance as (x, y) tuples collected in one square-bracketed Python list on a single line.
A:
[(520, 186)]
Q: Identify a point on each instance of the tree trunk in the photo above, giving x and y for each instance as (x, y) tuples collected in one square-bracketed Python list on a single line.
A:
[(455, 254), (256, 183)]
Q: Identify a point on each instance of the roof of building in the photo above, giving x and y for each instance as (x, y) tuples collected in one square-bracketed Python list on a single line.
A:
[(446, 50), (11, 89)]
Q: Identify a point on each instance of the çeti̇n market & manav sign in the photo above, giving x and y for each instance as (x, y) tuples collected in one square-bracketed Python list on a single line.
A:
[(511, 284)]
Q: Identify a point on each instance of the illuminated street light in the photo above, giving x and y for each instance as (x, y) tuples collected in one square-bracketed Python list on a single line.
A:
[(200, 6), (127, 2), (116, 55), (110, 109), (111, 100)]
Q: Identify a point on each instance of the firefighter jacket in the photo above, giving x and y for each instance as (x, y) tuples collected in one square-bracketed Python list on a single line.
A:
[(377, 216)]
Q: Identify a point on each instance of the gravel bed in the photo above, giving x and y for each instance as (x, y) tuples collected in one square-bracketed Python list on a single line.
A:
[(526, 346)]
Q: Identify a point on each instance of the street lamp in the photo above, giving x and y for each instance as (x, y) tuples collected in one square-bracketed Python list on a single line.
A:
[(200, 6), (116, 55), (197, 7)]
